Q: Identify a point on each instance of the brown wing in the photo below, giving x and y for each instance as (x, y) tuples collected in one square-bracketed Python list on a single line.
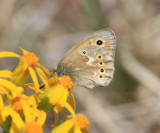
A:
[(107, 34), (90, 63)]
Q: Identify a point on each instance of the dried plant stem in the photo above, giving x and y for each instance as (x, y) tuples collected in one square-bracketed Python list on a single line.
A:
[(140, 72), (145, 77)]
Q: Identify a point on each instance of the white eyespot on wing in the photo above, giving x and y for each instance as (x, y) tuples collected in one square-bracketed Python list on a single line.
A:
[(77, 69), (95, 73), (90, 61)]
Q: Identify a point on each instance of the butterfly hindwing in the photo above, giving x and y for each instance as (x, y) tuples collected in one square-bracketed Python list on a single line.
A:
[(90, 63)]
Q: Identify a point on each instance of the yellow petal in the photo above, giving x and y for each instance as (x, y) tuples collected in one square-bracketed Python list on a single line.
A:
[(36, 97), (6, 74), (1, 103), (27, 112), (20, 73), (72, 101), (66, 126), (32, 102), (69, 108), (10, 86), (55, 117), (3, 90), (63, 97), (29, 85), (8, 54), (56, 94), (45, 70), (23, 50), (64, 115), (17, 73), (34, 78), (77, 130), (43, 77), (12, 130), (41, 118), (16, 119)]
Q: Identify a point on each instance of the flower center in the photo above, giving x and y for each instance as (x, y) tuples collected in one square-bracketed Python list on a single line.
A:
[(82, 122), (66, 82), (33, 127), (31, 59), (17, 104)]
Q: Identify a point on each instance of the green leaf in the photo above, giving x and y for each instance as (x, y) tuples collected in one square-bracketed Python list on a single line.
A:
[(7, 124)]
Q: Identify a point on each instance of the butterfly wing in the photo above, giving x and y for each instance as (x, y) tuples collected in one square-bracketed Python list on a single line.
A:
[(90, 63)]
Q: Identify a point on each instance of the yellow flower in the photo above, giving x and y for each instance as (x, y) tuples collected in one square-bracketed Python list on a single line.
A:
[(60, 90), (26, 66), (55, 96), (58, 98), (6, 111), (78, 124), (34, 118), (17, 103), (24, 110), (13, 93)]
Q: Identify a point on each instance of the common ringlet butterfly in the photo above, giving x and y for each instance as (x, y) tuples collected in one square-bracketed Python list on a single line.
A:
[(90, 62)]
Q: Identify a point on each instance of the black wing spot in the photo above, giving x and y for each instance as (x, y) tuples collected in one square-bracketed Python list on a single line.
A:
[(102, 70), (99, 42), (99, 57), (84, 52)]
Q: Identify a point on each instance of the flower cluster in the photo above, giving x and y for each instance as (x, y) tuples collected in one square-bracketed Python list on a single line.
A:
[(22, 113)]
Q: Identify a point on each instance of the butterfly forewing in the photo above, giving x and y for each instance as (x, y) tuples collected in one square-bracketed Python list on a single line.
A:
[(91, 62)]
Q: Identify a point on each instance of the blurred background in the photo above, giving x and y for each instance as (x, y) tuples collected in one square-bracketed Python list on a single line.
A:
[(50, 28)]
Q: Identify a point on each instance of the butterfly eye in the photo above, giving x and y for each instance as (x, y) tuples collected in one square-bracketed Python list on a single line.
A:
[(99, 42)]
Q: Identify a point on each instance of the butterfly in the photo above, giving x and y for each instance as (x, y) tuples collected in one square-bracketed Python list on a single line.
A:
[(90, 62)]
